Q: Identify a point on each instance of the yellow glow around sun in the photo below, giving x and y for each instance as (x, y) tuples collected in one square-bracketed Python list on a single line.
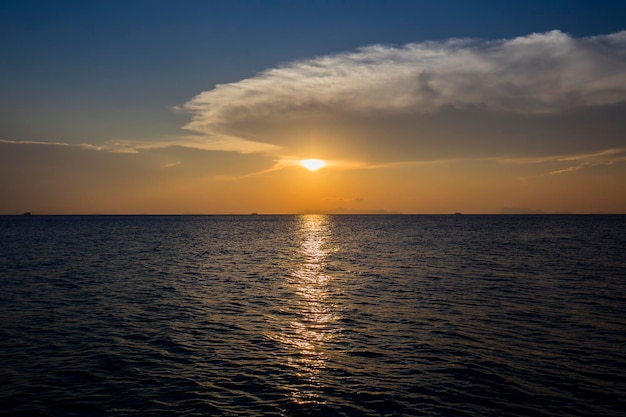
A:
[(312, 164)]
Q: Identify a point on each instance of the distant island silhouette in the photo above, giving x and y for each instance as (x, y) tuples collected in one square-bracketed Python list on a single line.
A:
[(524, 210)]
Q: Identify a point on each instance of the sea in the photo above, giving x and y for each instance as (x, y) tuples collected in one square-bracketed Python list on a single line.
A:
[(313, 315)]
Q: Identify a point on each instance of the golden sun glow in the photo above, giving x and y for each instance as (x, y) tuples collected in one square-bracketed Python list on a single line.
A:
[(312, 164)]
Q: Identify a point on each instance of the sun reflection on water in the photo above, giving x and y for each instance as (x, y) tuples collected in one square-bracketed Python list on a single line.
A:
[(315, 324)]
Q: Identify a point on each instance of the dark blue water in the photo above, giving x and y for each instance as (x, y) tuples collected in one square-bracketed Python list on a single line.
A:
[(313, 315)]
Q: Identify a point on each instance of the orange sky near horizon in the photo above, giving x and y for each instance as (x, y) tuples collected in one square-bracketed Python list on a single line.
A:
[(93, 182)]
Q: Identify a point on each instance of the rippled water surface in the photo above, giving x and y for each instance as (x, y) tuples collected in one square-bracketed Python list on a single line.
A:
[(313, 315)]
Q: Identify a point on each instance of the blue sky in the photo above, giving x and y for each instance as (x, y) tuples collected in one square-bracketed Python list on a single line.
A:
[(367, 85)]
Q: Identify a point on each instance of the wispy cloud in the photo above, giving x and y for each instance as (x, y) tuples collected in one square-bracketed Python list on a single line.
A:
[(43, 143), (607, 157), (615, 154), (204, 143), (572, 162), (571, 169)]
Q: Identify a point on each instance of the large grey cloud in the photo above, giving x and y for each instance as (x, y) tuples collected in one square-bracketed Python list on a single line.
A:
[(544, 93), (527, 98)]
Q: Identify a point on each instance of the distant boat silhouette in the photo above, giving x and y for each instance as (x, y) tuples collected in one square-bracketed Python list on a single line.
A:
[(27, 213), (254, 214), (458, 214)]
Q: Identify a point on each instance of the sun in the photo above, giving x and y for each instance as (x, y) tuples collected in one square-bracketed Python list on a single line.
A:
[(312, 164)]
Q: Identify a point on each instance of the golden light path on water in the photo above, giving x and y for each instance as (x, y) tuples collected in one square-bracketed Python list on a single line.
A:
[(316, 314)]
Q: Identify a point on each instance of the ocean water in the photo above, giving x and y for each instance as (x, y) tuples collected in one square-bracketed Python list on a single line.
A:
[(313, 315)]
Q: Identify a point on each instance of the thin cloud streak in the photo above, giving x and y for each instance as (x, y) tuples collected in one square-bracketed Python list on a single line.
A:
[(606, 154), (74, 145), (192, 142), (215, 143), (607, 157), (571, 169), (584, 161)]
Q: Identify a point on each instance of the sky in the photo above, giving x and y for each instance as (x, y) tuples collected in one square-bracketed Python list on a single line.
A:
[(208, 107)]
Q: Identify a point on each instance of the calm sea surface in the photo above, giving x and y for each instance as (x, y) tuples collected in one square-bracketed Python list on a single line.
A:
[(313, 315)]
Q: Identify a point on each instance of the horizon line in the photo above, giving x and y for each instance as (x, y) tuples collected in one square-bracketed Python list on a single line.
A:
[(373, 213)]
